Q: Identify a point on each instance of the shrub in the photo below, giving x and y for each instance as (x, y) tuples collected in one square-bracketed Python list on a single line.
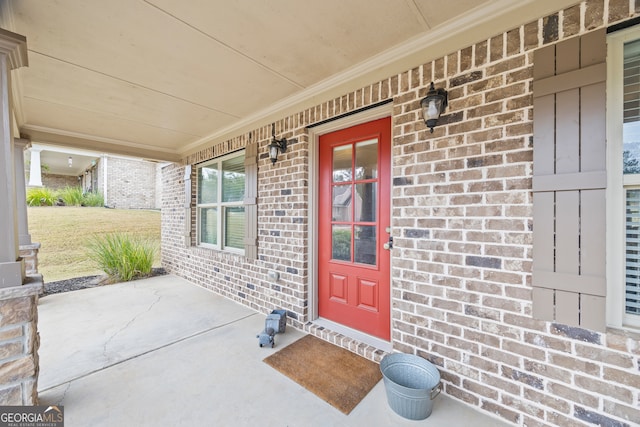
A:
[(71, 196), (121, 256), (93, 199), (341, 243), (40, 196)]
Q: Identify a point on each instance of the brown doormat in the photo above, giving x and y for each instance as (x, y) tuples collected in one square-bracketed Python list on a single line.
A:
[(338, 376)]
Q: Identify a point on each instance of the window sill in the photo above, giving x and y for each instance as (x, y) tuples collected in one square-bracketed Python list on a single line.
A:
[(208, 251)]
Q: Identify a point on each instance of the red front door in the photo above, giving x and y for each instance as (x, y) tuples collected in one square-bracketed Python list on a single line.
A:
[(353, 227)]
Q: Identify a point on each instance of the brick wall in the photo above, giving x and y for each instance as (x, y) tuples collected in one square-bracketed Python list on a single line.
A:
[(57, 182), (461, 264), (131, 183)]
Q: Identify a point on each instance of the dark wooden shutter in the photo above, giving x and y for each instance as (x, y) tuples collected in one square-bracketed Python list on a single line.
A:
[(188, 194), (250, 201), (569, 181)]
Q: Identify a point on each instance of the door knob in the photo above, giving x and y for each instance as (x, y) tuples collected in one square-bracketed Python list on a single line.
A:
[(388, 245)]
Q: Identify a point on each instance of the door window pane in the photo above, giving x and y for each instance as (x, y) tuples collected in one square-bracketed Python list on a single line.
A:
[(341, 242), (208, 185), (366, 201), (209, 226), (342, 163), (367, 159), (342, 203), (365, 244)]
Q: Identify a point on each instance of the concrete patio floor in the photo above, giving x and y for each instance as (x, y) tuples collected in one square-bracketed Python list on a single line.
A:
[(163, 351)]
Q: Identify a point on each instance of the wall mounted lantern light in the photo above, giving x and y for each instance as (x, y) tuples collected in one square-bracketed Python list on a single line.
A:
[(433, 105), (70, 161), (276, 145)]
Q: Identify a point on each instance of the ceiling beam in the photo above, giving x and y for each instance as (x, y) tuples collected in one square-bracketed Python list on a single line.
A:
[(103, 145)]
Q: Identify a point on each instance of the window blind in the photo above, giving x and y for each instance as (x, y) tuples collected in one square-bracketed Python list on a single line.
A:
[(632, 252), (631, 167), (632, 82)]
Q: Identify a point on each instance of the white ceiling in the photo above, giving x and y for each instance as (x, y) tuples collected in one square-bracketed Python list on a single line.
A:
[(162, 78), (55, 160)]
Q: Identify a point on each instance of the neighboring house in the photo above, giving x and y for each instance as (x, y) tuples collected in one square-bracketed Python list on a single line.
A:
[(125, 182), (503, 271)]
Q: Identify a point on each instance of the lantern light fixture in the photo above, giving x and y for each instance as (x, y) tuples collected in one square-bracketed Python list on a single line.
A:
[(70, 161), (276, 145), (433, 105)]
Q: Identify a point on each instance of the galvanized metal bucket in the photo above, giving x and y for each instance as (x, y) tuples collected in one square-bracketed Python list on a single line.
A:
[(411, 384)]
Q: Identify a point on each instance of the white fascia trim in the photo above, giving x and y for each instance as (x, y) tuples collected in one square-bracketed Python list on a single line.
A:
[(64, 150), (51, 136)]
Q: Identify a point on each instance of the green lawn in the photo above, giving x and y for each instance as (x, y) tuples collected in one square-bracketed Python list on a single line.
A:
[(64, 233)]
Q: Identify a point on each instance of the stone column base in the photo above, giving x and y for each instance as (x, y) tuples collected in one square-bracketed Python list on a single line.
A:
[(29, 253), (19, 341)]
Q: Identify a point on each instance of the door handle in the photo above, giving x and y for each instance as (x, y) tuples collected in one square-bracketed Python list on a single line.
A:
[(389, 245)]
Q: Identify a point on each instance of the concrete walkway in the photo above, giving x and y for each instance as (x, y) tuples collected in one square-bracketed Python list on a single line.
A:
[(162, 351)]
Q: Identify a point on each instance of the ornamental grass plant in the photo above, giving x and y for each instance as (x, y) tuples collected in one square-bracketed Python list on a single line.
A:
[(41, 196), (121, 256), (71, 196), (93, 199), (68, 196)]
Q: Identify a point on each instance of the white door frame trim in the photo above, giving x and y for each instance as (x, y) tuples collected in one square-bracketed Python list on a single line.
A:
[(314, 134)]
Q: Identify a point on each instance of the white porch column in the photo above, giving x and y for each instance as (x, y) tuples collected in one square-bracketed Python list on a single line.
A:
[(13, 54), (105, 179), (24, 238), (35, 169)]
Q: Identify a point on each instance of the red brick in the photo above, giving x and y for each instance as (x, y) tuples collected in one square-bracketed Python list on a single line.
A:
[(508, 65), (594, 14), (513, 42), (480, 53), (573, 394), (624, 412), (496, 48), (502, 411), (466, 59), (501, 384), (462, 394), (622, 377), (571, 21), (523, 406), (550, 401), (531, 37), (452, 64), (480, 389), (608, 357)]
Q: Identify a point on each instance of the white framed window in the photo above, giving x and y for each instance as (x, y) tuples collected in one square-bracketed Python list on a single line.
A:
[(220, 203), (623, 178)]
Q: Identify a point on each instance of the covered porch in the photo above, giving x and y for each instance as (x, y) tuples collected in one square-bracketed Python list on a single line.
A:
[(163, 351), (521, 306)]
